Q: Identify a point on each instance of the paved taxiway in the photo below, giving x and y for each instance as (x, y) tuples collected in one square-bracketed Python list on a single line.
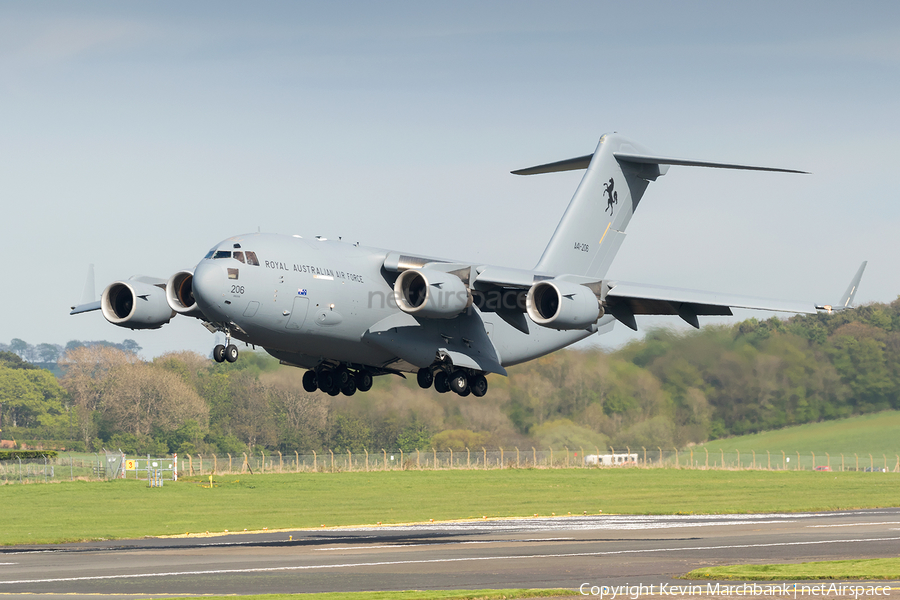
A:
[(532, 553)]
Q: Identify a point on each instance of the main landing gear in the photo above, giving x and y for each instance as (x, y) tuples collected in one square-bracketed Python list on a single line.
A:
[(459, 381), (340, 380)]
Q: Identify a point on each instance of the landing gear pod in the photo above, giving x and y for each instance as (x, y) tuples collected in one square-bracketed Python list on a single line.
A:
[(136, 305), (562, 305)]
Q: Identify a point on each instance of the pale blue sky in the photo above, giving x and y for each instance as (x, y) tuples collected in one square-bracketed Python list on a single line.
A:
[(137, 136)]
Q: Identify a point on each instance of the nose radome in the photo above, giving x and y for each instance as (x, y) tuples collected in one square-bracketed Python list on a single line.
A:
[(208, 283)]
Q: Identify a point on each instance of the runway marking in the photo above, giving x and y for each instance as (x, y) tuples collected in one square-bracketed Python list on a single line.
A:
[(450, 543), (440, 560), (401, 546), (857, 524)]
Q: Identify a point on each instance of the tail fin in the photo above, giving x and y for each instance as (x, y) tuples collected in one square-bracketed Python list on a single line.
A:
[(847, 299), (593, 227)]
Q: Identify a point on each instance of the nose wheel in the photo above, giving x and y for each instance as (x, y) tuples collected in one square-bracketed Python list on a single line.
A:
[(222, 353)]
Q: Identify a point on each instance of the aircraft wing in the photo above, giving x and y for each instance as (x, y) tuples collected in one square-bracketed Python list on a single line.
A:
[(624, 300), (83, 308)]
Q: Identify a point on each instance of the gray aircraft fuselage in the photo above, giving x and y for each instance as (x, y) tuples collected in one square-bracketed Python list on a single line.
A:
[(313, 300)]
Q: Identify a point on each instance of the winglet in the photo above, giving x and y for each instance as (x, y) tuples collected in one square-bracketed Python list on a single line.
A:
[(88, 295), (847, 299)]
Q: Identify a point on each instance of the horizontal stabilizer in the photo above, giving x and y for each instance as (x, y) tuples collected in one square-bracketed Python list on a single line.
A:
[(571, 164), (662, 160), (582, 162)]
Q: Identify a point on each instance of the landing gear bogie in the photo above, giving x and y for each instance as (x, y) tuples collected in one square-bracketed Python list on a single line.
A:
[(337, 380)]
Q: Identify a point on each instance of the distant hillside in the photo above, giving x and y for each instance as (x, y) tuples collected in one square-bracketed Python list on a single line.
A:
[(876, 433)]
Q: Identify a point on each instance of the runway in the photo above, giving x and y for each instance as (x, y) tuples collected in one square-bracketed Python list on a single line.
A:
[(555, 552)]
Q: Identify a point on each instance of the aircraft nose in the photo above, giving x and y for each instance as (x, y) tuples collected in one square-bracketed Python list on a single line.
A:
[(208, 287)]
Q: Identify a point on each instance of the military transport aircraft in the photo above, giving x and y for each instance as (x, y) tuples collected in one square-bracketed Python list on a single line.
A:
[(347, 312)]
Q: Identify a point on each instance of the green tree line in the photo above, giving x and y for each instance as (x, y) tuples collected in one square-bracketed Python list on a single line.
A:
[(667, 389)]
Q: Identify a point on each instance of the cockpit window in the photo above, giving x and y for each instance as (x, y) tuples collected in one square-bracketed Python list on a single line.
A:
[(245, 257)]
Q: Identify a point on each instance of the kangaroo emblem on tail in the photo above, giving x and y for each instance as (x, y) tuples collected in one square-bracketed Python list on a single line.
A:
[(613, 196)]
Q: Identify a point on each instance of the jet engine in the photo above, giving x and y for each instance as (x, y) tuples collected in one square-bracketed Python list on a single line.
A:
[(136, 305), (431, 294), (180, 294), (562, 305)]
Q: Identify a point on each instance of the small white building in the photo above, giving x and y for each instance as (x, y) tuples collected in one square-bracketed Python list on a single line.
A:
[(611, 460)]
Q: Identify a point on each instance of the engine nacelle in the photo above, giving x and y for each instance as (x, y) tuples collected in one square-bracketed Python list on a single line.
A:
[(180, 294), (136, 305), (562, 305), (431, 294)]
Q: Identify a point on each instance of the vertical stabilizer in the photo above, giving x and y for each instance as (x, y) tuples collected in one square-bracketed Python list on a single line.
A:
[(593, 226)]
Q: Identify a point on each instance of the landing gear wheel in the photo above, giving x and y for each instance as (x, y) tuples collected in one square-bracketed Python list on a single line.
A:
[(479, 386), (425, 378), (231, 353), (349, 388), (219, 353), (466, 393), (335, 391), (325, 381), (363, 381), (342, 376), (309, 381), (441, 382), (459, 383)]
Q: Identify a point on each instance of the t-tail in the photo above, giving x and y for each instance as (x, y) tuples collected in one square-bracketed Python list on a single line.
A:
[(593, 227)]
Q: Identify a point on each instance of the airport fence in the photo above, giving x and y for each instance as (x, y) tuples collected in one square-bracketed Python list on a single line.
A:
[(115, 464), (548, 458), (62, 467)]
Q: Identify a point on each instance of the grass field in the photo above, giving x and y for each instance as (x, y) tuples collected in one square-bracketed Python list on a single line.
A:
[(410, 595), (875, 568), (50, 513), (874, 433)]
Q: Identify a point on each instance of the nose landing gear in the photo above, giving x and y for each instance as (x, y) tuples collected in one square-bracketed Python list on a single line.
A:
[(222, 353)]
